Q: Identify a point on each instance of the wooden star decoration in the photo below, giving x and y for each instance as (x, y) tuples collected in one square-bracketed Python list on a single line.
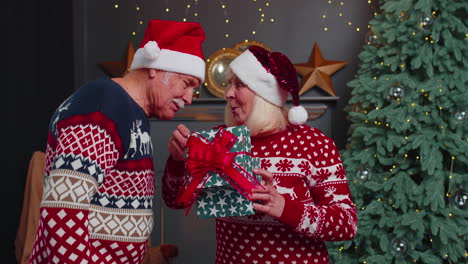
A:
[(119, 68), (317, 72)]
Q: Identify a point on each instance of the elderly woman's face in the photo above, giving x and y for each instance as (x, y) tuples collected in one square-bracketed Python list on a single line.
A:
[(240, 100)]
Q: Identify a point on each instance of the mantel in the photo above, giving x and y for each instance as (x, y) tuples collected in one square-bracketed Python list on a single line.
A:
[(212, 109)]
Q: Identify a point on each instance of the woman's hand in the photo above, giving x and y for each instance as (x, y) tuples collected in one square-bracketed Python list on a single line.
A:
[(271, 201), (178, 142)]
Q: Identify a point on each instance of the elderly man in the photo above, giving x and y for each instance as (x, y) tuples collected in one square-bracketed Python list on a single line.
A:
[(99, 175)]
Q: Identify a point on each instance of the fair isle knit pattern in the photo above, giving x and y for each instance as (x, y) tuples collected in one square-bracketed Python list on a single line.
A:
[(99, 180), (308, 172)]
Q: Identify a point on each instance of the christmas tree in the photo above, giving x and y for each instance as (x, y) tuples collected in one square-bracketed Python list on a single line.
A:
[(407, 152)]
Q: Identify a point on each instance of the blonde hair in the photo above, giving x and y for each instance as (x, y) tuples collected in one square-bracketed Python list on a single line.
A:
[(265, 118)]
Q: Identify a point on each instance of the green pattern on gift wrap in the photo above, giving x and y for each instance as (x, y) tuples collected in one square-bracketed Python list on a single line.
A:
[(218, 198)]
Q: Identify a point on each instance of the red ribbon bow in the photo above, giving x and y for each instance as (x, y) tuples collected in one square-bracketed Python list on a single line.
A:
[(205, 156)]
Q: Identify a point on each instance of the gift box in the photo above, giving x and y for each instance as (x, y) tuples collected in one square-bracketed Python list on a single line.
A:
[(222, 192)]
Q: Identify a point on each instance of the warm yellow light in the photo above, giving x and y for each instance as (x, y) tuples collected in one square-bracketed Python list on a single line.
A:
[(195, 14), (223, 6), (349, 23), (188, 6), (253, 32), (324, 16), (227, 35), (116, 6), (440, 107), (141, 22), (138, 8), (263, 15), (267, 4), (133, 33), (357, 29), (408, 120), (413, 104), (453, 157), (341, 3), (340, 14), (272, 20), (326, 29), (227, 20), (167, 9), (184, 19), (414, 33)]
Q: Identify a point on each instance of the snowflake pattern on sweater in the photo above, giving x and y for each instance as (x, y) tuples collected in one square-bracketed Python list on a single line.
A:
[(99, 180), (308, 172)]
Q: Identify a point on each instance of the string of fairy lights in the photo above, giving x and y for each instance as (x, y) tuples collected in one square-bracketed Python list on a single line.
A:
[(335, 10)]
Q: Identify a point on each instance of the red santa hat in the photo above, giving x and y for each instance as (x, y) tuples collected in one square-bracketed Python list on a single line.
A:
[(272, 76), (172, 46)]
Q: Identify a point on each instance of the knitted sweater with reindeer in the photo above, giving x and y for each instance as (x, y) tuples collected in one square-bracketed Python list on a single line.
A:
[(99, 180), (308, 172)]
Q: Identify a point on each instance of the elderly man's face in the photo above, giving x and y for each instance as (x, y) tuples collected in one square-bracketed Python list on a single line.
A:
[(240, 100), (170, 92)]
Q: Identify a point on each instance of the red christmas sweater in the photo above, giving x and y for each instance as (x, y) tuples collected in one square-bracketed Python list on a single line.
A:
[(99, 180), (308, 172)]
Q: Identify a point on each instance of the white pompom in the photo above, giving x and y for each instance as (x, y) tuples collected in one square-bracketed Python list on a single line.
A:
[(297, 115), (152, 50)]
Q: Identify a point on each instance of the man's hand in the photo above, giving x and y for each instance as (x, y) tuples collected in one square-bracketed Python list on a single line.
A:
[(271, 201), (178, 142)]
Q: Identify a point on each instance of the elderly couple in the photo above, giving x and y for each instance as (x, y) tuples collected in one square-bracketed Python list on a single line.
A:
[(99, 175)]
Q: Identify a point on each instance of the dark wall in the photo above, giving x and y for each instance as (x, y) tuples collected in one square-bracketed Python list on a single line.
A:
[(39, 75)]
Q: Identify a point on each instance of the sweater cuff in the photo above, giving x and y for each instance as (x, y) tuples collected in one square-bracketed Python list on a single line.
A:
[(292, 212), (175, 167)]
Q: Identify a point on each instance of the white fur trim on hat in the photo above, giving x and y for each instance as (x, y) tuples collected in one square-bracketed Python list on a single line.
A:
[(169, 60), (251, 72), (297, 115)]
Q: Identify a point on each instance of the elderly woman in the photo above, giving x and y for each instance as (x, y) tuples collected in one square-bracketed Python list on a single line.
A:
[(305, 198)]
